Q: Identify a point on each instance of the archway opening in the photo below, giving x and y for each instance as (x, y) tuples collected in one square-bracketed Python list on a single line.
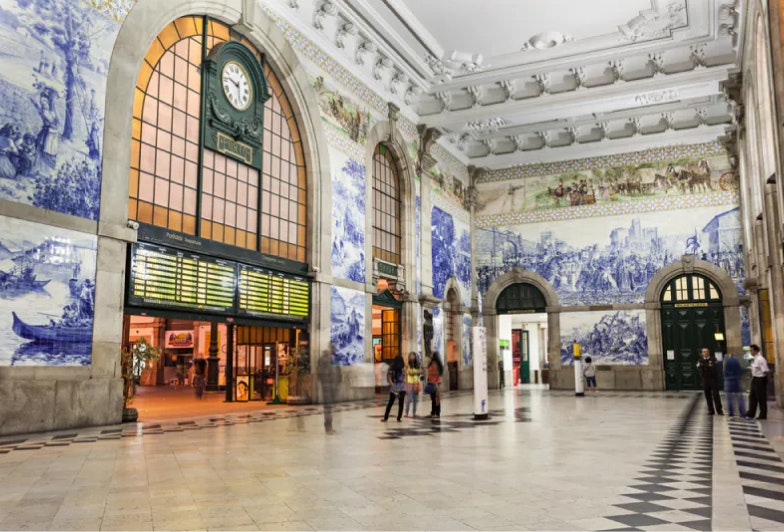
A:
[(692, 316), (522, 328)]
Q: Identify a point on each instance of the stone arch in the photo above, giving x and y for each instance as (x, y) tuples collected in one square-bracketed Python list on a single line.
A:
[(519, 275), (553, 310), (688, 265), (730, 301), (388, 134), (141, 26)]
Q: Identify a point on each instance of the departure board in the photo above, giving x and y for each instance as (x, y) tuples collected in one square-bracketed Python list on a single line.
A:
[(170, 278), (266, 293)]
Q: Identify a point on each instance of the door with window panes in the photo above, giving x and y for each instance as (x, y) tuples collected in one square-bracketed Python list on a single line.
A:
[(692, 314)]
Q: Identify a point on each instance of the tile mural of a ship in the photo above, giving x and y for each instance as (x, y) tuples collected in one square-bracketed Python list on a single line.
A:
[(47, 289)]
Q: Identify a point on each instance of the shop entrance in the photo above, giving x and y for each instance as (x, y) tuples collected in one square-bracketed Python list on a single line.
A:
[(268, 363), (692, 318), (522, 326), (386, 332)]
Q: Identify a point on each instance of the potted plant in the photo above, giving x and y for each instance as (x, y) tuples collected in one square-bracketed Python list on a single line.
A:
[(133, 360)]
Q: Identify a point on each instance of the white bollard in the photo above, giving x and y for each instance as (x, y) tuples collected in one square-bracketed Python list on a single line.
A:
[(480, 373), (579, 389)]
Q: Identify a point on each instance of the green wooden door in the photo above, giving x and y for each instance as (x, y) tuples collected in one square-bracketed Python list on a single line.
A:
[(525, 359), (692, 313)]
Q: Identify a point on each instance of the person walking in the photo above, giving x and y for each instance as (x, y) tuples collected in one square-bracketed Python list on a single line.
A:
[(396, 377), (758, 391), (199, 375), (413, 374), (732, 385), (589, 371), (329, 380), (434, 370), (708, 369)]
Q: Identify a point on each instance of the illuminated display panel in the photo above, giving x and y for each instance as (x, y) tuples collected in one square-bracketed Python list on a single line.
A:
[(171, 278)]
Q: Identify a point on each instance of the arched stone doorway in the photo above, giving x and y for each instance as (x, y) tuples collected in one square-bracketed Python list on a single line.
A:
[(692, 318), (520, 291), (687, 303)]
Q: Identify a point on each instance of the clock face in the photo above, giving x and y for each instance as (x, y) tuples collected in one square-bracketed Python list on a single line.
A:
[(236, 85)]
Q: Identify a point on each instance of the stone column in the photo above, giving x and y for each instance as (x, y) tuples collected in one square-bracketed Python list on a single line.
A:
[(213, 360)]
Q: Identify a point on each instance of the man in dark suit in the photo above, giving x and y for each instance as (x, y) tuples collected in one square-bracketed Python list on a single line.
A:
[(708, 369)]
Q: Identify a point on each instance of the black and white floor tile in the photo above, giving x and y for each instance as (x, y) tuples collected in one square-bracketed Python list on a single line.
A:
[(674, 489), (761, 474)]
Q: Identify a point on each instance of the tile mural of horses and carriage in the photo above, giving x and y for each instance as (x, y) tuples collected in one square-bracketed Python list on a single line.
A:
[(684, 176)]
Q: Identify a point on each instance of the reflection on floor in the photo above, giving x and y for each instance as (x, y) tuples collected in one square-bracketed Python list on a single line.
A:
[(544, 461)]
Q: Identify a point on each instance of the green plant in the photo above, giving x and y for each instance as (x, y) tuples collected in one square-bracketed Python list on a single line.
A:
[(133, 360)]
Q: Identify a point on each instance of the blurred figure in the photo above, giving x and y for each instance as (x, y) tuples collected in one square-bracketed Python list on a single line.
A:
[(396, 377), (732, 386), (329, 380), (434, 370), (199, 375), (413, 375)]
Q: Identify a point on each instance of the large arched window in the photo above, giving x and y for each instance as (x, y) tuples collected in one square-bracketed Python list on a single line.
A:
[(386, 206), (177, 184), (690, 288)]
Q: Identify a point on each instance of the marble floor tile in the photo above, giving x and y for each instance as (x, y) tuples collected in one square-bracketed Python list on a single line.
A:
[(566, 464)]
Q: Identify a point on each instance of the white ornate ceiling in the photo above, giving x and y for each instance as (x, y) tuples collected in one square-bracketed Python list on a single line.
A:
[(512, 82)]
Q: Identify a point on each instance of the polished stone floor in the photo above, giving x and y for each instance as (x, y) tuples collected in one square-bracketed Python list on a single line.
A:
[(543, 461)]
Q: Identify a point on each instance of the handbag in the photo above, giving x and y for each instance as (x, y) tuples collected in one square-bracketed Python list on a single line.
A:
[(430, 388)]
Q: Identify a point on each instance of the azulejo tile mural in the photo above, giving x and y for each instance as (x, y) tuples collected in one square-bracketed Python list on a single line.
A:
[(608, 185), (450, 187), (347, 329), (53, 93), (616, 337), (47, 289), (451, 254), (611, 260), (348, 221), (665, 153), (341, 112)]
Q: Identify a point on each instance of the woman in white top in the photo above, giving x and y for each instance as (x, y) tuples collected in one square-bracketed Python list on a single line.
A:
[(589, 371)]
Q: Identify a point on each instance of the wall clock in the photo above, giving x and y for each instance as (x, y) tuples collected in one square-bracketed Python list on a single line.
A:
[(236, 85)]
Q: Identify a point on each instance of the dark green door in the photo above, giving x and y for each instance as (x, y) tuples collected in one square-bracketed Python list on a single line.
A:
[(692, 314)]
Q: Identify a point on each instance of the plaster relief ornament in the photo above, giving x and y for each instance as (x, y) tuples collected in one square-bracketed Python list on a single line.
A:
[(655, 23), (490, 125), (546, 40), (398, 79), (364, 47), (654, 97), (323, 9), (454, 63), (345, 28), (382, 65)]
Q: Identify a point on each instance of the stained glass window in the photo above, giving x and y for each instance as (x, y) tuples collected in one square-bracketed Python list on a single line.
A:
[(266, 212)]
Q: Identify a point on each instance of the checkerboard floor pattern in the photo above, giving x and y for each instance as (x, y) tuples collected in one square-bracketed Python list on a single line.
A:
[(761, 474), (674, 489)]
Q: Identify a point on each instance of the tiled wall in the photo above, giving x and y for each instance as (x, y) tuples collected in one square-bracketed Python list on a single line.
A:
[(47, 280), (599, 234), (53, 87)]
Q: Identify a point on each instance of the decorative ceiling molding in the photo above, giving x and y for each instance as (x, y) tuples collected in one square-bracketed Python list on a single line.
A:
[(656, 23), (624, 87), (546, 40)]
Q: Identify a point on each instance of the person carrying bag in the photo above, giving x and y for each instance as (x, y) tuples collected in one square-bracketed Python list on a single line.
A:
[(434, 369)]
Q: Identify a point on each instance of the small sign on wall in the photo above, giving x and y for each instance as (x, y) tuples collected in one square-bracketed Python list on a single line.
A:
[(670, 354)]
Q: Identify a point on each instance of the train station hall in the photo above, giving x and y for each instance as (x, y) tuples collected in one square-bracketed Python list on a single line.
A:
[(392, 265)]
